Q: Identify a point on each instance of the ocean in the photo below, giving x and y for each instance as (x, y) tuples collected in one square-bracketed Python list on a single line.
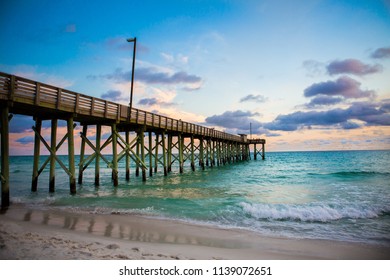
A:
[(332, 195)]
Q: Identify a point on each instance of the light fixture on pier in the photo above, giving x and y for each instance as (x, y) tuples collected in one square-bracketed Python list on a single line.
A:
[(132, 40)]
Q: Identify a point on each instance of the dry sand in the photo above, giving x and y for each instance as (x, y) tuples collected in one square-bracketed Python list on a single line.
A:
[(28, 233)]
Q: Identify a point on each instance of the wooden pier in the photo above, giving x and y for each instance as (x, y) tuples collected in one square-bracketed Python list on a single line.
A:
[(159, 141)]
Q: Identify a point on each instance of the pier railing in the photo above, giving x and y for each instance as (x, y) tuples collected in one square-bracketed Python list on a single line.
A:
[(38, 95)]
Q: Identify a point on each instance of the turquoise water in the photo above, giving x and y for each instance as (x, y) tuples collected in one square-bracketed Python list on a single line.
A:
[(343, 195)]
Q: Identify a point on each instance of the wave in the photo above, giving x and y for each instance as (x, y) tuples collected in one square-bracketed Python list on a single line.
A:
[(312, 212), (351, 173)]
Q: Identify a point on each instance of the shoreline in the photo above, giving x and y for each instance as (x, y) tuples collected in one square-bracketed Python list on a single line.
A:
[(29, 233)]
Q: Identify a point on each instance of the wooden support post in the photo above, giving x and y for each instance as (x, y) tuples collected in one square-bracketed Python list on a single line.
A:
[(201, 156), (169, 152), (164, 154), (254, 152), (181, 145), (142, 140), (212, 155), (207, 151), (127, 135), (218, 151), (4, 158), (263, 151), (137, 155), (150, 155), (72, 171), (156, 154), (114, 155), (37, 150), (53, 146), (82, 152), (192, 154), (97, 153)]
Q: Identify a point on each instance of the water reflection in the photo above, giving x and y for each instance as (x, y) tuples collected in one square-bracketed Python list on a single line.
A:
[(119, 228)]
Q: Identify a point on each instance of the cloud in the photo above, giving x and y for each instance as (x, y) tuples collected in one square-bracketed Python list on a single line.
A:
[(26, 140), (352, 66), (370, 113), (324, 100), (151, 75), (350, 125), (238, 121), (343, 86), (381, 53), (22, 123), (113, 95), (154, 101), (148, 101), (254, 98)]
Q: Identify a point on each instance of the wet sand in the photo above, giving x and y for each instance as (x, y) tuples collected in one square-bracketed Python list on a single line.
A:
[(28, 233)]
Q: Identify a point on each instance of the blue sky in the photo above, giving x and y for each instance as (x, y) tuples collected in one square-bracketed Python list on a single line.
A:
[(308, 75)]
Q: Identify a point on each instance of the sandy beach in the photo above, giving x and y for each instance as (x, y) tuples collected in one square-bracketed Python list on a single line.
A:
[(28, 233)]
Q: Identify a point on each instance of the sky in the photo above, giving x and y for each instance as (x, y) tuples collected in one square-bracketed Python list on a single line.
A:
[(304, 75)]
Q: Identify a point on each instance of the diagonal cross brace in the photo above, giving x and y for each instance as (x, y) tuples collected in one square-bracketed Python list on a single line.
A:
[(52, 153), (91, 157), (57, 148), (128, 148)]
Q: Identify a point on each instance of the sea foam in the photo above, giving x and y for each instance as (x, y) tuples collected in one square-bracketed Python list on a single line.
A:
[(312, 212)]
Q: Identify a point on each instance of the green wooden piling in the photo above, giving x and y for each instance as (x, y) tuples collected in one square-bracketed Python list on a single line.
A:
[(164, 154), (4, 158), (72, 171), (150, 154), (181, 159), (37, 149), (97, 153), (82, 152), (114, 155), (53, 146), (192, 153), (127, 167), (156, 154), (142, 142)]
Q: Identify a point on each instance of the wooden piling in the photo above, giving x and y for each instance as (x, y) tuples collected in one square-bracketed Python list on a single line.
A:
[(181, 146), (114, 155), (72, 176), (137, 147), (53, 146), (127, 158), (142, 140), (5, 199), (150, 154), (156, 153), (192, 153), (37, 149), (97, 153), (164, 154), (169, 152), (82, 153), (263, 151)]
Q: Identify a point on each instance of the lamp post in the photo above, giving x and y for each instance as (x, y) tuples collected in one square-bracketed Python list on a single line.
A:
[(132, 40)]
